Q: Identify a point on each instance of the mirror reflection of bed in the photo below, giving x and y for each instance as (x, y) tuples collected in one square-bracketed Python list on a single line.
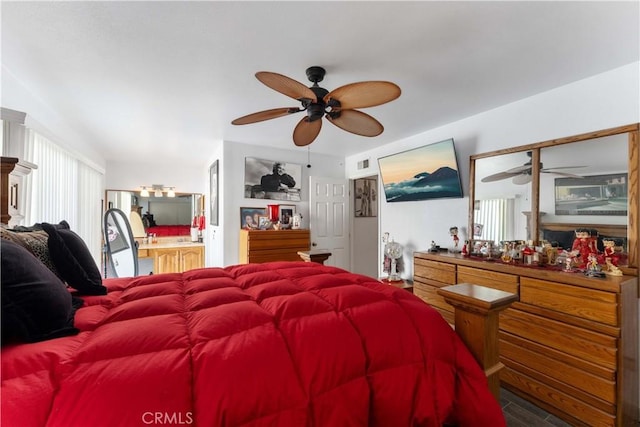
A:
[(162, 228)]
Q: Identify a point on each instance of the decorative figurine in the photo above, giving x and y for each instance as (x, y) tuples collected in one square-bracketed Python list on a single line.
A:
[(568, 263), (612, 270), (583, 245), (593, 269), (454, 232), (465, 251), (551, 253), (610, 251)]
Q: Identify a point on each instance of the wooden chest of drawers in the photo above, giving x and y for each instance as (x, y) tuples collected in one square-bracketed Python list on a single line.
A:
[(570, 345), (272, 245)]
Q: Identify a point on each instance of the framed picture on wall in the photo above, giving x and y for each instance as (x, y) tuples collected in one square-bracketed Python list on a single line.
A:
[(365, 195), (213, 193), (592, 195), (272, 179)]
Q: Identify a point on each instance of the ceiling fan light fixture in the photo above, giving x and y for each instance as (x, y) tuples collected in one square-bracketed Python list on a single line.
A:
[(522, 179)]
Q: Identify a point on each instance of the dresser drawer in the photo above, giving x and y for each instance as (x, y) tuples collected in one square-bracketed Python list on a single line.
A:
[(438, 271), (559, 367), (429, 294), (566, 402), (491, 279), (590, 346), (584, 303)]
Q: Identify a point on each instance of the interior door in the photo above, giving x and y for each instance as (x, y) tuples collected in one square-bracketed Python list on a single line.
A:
[(329, 218)]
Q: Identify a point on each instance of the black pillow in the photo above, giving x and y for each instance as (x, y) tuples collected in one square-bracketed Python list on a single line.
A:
[(36, 305), (73, 261)]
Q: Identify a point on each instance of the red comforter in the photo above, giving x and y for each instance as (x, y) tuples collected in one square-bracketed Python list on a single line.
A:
[(277, 344)]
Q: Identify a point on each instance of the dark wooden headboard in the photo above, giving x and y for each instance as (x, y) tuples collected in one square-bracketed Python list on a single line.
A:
[(619, 231)]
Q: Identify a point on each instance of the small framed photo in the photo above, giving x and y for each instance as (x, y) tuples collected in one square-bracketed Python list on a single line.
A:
[(477, 229), (264, 223), (286, 213), (250, 217)]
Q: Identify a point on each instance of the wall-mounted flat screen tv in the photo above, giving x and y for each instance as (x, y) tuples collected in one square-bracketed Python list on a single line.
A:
[(427, 172)]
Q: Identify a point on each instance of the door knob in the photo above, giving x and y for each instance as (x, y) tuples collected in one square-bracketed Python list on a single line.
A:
[(314, 244)]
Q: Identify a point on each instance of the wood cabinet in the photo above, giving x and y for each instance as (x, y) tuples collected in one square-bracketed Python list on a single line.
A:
[(272, 245), (173, 259), (12, 190), (570, 345)]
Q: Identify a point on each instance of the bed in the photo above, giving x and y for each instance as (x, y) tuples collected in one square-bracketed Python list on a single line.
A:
[(169, 230), (277, 344)]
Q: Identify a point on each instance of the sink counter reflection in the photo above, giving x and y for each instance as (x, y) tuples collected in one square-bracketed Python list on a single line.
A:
[(173, 256)]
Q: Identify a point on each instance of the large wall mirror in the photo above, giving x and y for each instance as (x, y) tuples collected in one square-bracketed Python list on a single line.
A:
[(163, 216), (550, 188)]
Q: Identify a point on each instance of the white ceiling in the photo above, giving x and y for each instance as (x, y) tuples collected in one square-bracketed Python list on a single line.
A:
[(168, 77)]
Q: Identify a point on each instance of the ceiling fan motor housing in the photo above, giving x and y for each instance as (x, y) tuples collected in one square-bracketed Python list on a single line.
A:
[(316, 110)]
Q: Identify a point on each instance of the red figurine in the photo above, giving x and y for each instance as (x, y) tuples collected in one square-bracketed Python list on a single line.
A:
[(583, 245)]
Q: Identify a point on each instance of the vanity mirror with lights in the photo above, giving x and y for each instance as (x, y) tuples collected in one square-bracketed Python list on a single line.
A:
[(570, 343), (162, 228)]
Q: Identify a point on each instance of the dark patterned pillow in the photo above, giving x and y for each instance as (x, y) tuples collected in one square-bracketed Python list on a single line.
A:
[(73, 260), (35, 242)]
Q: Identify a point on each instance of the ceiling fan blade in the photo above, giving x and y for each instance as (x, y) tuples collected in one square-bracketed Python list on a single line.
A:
[(498, 176), (519, 169), (286, 85), (568, 175), (562, 167), (364, 94), (265, 115), (357, 122), (306, 132)]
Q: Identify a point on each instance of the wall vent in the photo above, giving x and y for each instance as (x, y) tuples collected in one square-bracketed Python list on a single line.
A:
[(363, 164)]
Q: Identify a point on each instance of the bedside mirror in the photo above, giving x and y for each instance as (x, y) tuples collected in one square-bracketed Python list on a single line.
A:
[(121, 248)]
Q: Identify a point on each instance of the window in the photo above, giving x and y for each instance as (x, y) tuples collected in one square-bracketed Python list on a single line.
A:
[(63, 187)]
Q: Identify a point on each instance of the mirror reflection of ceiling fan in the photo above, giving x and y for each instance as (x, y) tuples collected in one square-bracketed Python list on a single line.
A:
[(522, 174), (338, 106)]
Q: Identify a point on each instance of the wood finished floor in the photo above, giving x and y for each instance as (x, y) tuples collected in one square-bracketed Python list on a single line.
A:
[(520, 413)]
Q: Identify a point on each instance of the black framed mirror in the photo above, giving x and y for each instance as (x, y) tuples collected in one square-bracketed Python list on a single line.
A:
[(120, 246)]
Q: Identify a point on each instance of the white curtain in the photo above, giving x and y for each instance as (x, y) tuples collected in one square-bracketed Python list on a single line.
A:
[(497, 219), (63, 187)]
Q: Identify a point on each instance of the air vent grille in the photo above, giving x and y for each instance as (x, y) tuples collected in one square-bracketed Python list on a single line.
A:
[(363, 164)]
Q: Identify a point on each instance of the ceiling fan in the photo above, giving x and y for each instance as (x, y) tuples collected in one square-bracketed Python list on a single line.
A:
[(522, 174), (338, 106)]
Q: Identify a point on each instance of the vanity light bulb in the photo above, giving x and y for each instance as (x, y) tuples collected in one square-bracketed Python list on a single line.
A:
[(158, 193), (171, 193), (144, 192)]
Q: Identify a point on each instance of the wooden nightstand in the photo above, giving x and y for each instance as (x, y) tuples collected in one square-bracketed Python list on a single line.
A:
[(407, 285), (317, 255)]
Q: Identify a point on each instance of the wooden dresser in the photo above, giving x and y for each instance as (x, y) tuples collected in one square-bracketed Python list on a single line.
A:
[(272, 245), (570, 345)]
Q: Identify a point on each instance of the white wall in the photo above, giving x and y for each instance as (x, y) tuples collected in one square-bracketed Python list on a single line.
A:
[(232, 189), (133, 174), (599, 102), (45, 121)]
